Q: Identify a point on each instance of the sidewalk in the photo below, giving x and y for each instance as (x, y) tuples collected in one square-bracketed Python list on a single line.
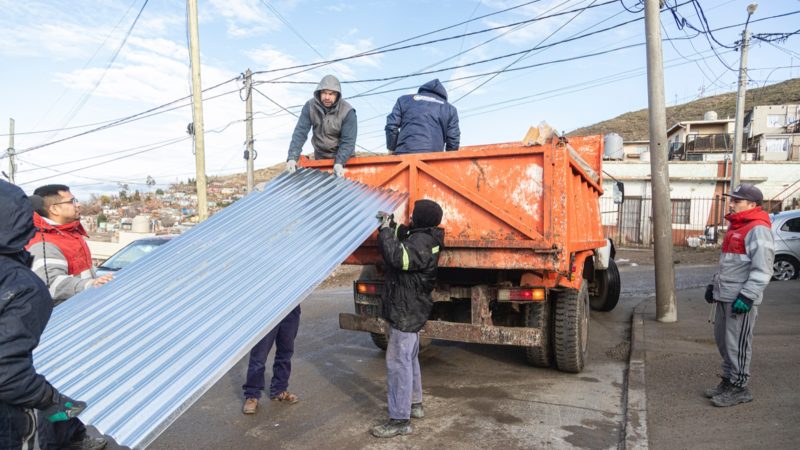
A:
[(681, 360)]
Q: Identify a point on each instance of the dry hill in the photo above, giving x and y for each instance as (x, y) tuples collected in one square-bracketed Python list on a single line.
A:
[(633, 125)]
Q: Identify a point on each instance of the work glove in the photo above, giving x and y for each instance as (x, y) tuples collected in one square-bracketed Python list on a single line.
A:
[(387, 220), (338, 170), (291, 166), (710, 293), (742, 304), (63, 408)]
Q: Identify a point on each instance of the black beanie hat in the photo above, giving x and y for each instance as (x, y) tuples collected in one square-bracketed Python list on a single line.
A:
[(427, 213)]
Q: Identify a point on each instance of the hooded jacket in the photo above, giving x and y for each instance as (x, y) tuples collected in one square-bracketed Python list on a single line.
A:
[(61, 257), (334, 129), (424, 122), (411, 266), (25, 306), (748, 252)]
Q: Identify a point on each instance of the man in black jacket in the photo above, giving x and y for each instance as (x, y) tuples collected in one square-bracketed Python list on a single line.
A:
[(25, 307), (411, 257)]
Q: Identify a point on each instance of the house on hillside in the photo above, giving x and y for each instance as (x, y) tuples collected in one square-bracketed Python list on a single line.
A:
[(700, 172), (773, 132)]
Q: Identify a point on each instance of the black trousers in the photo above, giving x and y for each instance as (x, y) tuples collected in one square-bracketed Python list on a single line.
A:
[(17, 427), (59, 435)]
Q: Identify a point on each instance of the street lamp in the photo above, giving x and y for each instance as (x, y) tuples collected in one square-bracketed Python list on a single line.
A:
[(738, 128)]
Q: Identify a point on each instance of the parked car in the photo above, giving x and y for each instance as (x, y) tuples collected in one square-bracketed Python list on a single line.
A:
[(131, 253), (786, 232)]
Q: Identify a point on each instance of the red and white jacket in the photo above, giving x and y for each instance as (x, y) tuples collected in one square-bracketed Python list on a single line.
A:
[(61, 257)]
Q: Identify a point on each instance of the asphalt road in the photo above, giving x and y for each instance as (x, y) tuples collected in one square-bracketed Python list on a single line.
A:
[(474, 396)]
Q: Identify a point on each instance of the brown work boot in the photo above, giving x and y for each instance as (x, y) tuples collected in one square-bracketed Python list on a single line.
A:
[(287, 397), (250, 406)]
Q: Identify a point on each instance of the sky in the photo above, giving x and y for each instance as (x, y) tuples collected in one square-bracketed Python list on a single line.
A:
[(87, 82)]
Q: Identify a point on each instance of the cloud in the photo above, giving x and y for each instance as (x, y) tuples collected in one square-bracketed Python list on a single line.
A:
[(245, 18)]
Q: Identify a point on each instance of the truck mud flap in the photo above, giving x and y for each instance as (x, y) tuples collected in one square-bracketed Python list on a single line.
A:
[(451, 331)]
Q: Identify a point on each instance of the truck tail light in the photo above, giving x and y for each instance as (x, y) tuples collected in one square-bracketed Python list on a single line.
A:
[(367, 288), (521, 295)]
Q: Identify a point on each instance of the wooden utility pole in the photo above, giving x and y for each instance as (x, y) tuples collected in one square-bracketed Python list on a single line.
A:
[(738, 129), (12, 166), (197, 113), (666, 310), (248, 82)]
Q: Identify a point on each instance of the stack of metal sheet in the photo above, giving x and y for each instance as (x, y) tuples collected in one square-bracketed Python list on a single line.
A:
[(141, 349)]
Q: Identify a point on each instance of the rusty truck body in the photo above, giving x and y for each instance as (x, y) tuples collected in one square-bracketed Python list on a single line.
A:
[(525, 256)]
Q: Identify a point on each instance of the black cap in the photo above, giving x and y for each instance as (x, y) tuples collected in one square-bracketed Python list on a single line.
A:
[(747, 192), (427, 213)]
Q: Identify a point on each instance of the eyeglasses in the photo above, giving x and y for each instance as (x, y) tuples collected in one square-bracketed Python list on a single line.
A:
[(73, 200)]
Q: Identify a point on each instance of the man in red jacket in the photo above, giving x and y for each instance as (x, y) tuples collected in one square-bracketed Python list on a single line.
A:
[(61, 258), (736, 290)]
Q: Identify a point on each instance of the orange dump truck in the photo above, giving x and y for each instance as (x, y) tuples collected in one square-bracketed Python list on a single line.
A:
[(524, 256)]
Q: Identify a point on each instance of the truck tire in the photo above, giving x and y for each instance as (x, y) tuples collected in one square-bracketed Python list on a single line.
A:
[(537, 315), (607, 287), (571, 329), (380, 340)]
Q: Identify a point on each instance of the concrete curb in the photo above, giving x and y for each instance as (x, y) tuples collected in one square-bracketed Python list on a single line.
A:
[(636, 393)]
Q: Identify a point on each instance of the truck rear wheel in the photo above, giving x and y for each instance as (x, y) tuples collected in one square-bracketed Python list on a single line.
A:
[(607, 285), (571, 326), (537, 315)]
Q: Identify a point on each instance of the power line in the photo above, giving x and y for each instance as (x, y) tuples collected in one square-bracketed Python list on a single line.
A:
[(492, 77), (385, 49)]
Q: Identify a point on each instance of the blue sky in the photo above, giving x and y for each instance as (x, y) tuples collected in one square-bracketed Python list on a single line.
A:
[(55, 56)]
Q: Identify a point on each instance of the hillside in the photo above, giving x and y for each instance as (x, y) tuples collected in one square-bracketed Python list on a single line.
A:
[(633, 125)]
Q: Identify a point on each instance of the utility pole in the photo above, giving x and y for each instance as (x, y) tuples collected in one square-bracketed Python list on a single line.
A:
[(666, 309), (12, 166), (197, 113), (740, 97), (249, 156)]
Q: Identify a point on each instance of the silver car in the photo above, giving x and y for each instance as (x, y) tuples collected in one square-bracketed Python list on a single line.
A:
[(131, 253), (786, 232)]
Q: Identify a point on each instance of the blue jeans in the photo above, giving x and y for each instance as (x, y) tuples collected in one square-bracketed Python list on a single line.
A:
[(283, 337), (403, 377)]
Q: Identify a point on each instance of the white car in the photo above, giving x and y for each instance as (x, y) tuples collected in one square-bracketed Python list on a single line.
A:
[(786, 232), (131, 253)]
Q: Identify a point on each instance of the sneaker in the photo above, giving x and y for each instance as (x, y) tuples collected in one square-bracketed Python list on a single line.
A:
[(250, 406), (732, 396), (710, 393), (89, 443), (287, 397), (392, 428), (416, 411)]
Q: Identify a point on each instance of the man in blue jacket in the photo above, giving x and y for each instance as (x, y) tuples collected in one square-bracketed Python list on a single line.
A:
[(423, 122), (25, 307)]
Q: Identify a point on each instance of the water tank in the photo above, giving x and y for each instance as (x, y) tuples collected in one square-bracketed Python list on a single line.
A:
[(141, 224), (613, 146), (710, 115)]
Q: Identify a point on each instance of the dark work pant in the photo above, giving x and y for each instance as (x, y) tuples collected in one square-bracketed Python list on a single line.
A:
[(403, 377), (283, 337), (59, 435), (17, 427)]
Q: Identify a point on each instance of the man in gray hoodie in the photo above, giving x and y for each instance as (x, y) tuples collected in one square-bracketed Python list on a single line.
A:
[(745, 268), (333, 123)]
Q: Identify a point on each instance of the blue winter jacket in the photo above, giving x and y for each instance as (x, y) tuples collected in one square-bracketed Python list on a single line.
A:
[(423, 122), (25, 306)]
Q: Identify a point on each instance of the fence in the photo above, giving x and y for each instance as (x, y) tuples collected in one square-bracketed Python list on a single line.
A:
[(695, 221)]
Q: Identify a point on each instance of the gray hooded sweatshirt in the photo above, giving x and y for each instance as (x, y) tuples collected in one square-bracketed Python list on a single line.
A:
[(334, 129)]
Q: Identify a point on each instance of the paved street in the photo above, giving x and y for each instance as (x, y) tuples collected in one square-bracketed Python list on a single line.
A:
[(474, 395)]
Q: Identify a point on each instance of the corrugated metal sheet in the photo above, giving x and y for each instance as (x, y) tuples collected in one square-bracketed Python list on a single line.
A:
[(141, 349)]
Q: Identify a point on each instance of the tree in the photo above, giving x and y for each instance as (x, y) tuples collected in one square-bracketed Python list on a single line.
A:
[(150, 182), (167, 220), (137, 196), (159, 191), (102, 218)]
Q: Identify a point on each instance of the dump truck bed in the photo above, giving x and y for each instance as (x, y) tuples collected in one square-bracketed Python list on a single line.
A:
[(506, 206)]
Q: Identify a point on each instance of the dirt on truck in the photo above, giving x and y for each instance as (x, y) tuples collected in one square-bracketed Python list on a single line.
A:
[(525, 256)]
